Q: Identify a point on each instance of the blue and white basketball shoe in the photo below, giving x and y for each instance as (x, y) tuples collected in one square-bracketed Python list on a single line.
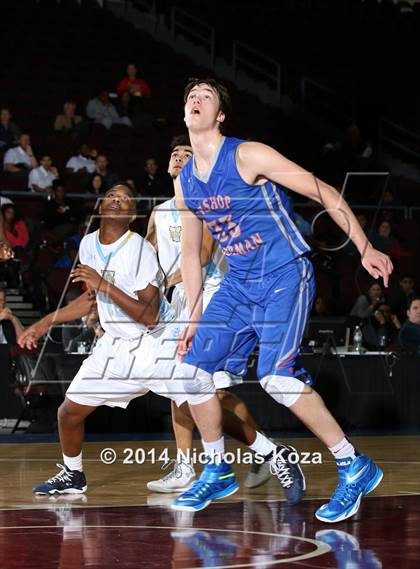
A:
[(216, 481), (356, 478)]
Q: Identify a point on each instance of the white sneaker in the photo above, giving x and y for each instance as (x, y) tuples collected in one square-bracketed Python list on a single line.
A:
[(257, 475), (178, 480)]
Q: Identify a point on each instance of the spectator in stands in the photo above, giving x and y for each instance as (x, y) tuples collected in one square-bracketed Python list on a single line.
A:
[(389, 213), (9, 131), (381, 328), (20, 159), (71, 247), (125, 107), (367, 303), (132, 84), (155, 183), (102, 111), (15, 228), (108, 176), (4, 201), (17, 234), (96, 185), (41, 179), (84, 162), (10, 326), (69, 122), (320, 309), (58, 215), (410, 332), (383, 240), (402, 297)]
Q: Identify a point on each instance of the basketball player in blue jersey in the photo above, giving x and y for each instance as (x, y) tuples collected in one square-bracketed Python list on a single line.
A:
[(164, 233), (236, 188)]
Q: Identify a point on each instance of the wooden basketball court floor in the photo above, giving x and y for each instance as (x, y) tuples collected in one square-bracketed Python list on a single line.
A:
[(118, 523)]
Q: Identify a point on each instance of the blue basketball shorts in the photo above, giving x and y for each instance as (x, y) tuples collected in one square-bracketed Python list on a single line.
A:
[(272, 311)]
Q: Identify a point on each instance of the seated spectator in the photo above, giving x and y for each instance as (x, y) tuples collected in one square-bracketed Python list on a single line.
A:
[(109, 177), (389, 213), (132, 84), (10, 330), (58, 215), (69, 122), (17, 234), (383, 240), (84, 162), (124, 105), (320, 308), (155, 183), (102, 111), (71, 247), (41, 179), (15, 228), (402, 297), (96, 185), (10, 325), (410, 331), (4, 201), (367, 303), (381, 328), (9, 131), (20, 159)]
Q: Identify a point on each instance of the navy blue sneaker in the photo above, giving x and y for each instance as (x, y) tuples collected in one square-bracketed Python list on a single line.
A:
[(356, 478), (285, 465), (216, 481), (65, 482)]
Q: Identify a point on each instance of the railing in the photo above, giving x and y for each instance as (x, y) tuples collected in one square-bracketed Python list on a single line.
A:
[(193, 28), (260, 65), (318, 98), (398, 137)]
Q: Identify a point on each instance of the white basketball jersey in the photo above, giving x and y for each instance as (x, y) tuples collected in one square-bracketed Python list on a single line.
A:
[(130, 263), (168, 235)]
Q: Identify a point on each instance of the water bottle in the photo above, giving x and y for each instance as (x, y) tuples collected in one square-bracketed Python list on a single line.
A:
[(357, 340)]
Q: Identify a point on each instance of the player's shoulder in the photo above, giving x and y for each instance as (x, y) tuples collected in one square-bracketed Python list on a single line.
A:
[(138, 243), (88, 240), (163, 207)]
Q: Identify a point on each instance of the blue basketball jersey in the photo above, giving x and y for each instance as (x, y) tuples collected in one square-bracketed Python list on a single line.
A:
[(253, 224)]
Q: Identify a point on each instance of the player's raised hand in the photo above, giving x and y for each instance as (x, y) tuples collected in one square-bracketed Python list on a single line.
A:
[(185, 340), (29, 337), (377, 264), (84, 273)]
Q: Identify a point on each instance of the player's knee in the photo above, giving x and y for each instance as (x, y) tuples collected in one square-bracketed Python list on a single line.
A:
[(198, 384), (69, 413), (283, 389)]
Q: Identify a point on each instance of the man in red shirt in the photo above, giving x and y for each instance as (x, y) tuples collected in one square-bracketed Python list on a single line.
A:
[(136, 87)]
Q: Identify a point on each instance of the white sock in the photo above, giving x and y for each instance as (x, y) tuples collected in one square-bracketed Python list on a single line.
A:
[(73, 462), (343, 449), (215, 450), (262, 445)]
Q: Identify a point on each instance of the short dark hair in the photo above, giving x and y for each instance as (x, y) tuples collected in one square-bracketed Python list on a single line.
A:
[(180, 140), (410, 302), (221, 90), (406, 276), (126, 185)]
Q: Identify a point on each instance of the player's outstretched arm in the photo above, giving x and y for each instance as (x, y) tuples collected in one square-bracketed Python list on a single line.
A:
[(257, 162), (79, 307)]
